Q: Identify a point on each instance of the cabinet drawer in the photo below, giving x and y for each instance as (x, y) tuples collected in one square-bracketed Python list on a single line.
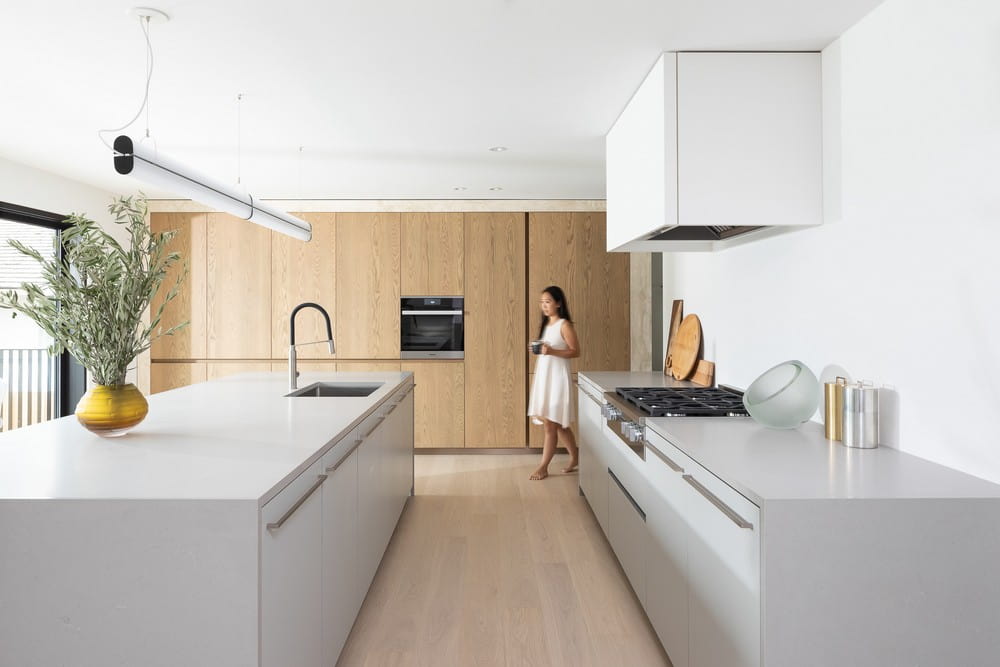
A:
[(627, 533)]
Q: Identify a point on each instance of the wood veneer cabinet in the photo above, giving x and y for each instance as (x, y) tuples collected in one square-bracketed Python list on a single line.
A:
[(439, 408), (239, 289), (367, 285), (567, 249), (432, 254), (164, 376), (304, 272), (220, 369), (189, 304), (494, 354)]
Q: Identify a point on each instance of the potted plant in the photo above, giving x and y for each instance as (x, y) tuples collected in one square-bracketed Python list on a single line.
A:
[(92, 303)]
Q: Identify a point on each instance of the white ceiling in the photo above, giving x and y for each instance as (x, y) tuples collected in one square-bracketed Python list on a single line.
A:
[(389, 98)]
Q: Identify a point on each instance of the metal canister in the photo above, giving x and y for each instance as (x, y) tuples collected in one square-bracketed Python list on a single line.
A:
[(833, 409), (860, 427)]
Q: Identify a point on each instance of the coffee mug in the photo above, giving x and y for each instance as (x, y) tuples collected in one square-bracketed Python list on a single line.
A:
[(536, 346)]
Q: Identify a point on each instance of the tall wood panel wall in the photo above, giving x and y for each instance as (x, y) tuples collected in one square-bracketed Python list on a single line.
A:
[(244, 281)]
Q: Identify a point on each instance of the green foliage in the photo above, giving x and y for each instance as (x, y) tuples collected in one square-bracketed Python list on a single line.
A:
[(94, 296)]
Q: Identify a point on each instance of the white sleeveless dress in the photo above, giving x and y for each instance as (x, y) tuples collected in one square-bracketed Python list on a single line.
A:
[(552, 388)]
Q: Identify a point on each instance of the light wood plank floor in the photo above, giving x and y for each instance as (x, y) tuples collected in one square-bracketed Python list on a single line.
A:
[(487, 568)]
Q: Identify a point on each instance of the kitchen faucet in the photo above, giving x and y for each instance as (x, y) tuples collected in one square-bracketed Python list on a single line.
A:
[(293, 373)]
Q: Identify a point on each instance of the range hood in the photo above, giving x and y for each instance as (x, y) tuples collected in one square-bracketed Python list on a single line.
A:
[(714, 150)]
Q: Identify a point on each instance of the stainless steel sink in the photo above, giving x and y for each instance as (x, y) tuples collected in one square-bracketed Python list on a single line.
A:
[(333, 389)]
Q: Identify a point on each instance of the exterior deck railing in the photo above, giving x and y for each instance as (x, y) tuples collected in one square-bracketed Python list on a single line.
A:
[(31, 395)]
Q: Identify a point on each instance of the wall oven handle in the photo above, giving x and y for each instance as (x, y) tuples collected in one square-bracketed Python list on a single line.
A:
[(431, 312), (715, 500)]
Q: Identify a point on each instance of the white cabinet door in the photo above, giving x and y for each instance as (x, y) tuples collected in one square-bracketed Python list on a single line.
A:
[(628, 534), (341, 594), (370, 493), (593, 468), (291, 571), (724, 574), (666, 555)]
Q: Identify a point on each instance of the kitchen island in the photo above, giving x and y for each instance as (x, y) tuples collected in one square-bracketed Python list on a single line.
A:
[(234, 526), (752, 546)]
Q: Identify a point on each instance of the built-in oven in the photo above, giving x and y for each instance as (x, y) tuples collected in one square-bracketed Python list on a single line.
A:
[(432, 327)]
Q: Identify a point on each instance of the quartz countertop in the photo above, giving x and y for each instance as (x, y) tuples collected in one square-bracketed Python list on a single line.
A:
[(765, 464), (236, 438)]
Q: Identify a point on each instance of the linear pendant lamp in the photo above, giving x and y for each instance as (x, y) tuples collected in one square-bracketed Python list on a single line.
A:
[(154, 167)]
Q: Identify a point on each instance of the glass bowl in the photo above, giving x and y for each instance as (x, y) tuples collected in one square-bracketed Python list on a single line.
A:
[(784, 396)]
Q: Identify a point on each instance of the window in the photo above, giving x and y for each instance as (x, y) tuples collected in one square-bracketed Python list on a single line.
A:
[(33, 385)]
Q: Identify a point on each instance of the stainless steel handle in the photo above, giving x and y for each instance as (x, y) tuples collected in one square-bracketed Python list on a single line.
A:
[(666, 459), (391, 408), (346, 456), (628, 495), (431, 312), (377, 424), (714, 499), (280, 522), (587, 394)]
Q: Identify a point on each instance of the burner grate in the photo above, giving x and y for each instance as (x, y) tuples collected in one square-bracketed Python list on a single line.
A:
[(684, 401)]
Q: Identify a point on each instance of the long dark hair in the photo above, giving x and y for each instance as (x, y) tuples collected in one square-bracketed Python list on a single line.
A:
[(562, 308)]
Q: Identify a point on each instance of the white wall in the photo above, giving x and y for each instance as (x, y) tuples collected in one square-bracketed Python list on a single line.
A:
[(901, 283)]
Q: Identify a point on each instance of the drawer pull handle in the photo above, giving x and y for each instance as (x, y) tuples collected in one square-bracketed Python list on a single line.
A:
[(377, 424), (346, 456), (587, 394), (666, 459), (628, 495), (280, 522), (714, 499)]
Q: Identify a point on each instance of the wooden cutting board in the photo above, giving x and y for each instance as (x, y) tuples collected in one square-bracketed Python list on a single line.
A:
[(685, 348), (676, 315)]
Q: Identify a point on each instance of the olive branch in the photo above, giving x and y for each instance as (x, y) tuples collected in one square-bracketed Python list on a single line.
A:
[(92, 299)]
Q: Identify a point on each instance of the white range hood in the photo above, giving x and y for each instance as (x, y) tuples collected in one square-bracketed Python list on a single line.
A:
[(716, 149)]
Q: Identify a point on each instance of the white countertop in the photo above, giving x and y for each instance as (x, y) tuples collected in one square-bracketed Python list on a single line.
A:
[(765, 464), (237, 438)]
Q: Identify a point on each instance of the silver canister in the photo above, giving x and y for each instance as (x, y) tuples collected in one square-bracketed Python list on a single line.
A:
[(860, 424)]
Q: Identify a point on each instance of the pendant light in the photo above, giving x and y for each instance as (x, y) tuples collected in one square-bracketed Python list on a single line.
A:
[(151, 165)]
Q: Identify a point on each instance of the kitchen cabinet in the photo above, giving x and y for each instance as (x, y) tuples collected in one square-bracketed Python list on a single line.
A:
[(667, 552), (164, 376), (368, 279), (221, 369), (593, 465), (190, 303), (439, 403), (303, 272), (568, 250), (291, 554), (341, 594), (627, 533), (495, 401), (745, 124), (239, 289), (433, 246), (367, 366)]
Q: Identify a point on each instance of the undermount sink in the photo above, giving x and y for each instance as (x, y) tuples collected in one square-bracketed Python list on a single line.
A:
[(333, 389)]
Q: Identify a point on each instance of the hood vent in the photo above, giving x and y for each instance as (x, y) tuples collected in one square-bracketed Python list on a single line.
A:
[(702, 233)]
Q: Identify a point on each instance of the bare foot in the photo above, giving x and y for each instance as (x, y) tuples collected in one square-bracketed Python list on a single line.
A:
[(541, 473), (572, 465)]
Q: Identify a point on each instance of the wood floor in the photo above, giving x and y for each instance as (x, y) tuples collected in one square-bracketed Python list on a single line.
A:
[(487, 568)]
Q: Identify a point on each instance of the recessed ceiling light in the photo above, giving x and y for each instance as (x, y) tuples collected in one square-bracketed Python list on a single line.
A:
[(459, 187), (498, 149), (496, 187)]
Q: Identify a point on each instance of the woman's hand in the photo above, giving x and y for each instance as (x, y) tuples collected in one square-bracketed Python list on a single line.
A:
[(545, 348)]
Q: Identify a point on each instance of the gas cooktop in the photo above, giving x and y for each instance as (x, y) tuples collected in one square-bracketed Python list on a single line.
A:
[(685, 402)]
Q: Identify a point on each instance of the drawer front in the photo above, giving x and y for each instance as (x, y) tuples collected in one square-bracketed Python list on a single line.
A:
[(627, 527)]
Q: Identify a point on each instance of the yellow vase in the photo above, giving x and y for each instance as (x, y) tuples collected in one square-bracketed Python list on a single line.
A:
[(111, 411)]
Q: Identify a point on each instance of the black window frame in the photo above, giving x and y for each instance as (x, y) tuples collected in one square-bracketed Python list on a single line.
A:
[(71, 381)]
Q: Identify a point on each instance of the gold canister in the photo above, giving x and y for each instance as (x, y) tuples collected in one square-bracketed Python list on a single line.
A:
[(833, 409)]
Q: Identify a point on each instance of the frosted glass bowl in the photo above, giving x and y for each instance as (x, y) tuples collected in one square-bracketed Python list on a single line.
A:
[(783, 397)]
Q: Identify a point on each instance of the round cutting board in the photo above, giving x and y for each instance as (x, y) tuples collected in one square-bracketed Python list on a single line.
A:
[(684, 348)]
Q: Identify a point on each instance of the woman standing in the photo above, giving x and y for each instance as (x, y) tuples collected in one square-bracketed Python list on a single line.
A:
[(550, 404)]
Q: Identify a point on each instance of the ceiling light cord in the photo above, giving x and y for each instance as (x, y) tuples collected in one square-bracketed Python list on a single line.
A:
[(144, 24)]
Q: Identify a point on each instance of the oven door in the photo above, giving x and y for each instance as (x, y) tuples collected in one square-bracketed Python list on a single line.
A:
[(432, 328)]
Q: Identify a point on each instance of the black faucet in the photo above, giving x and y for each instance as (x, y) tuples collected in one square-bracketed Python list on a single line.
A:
[(293, 373)]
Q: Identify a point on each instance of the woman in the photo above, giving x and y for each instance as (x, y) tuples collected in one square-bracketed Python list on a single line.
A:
[(550, 404)]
